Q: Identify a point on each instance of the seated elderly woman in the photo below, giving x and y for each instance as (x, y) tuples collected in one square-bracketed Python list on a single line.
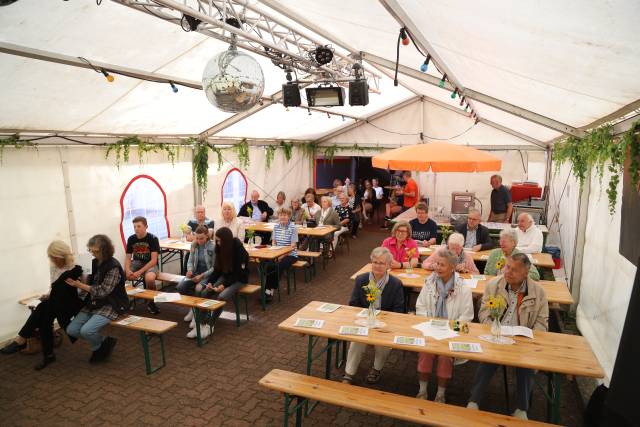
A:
[(61, 303), (106, 298), (284, 234), (230, 220), (497, 257), (296, 210), (455, 244), (443, 296), (402, 247), (391, 298)]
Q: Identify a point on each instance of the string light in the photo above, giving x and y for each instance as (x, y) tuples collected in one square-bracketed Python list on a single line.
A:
[(343, 118), (309, 110), (442, 80), (477, 120), (466, 108), (107, 76), (328, 116), (454, 93), (404, 37), (174, 88), (425, 65), (462, 98)]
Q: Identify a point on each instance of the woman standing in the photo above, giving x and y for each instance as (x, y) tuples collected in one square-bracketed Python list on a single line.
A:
[(443, 296), (284, 234), (106, 299), (368, 198), (61, 303)]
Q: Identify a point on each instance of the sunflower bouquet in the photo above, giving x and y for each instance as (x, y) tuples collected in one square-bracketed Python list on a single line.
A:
[(371, 291), (249, 234), (249, 211), (496, 305), (185, 230), (500, 264), (408, 255)]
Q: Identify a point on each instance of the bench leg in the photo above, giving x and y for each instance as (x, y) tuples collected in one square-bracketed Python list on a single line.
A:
[(145, 338), (236, 303), (300, 404), (196, 317)]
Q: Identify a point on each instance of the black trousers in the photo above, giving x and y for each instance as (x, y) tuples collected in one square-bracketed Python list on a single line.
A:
[(273, 270), (40, 319)]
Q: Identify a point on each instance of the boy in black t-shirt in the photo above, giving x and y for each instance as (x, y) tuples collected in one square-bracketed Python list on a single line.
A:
[(142, 257), (424, 230)]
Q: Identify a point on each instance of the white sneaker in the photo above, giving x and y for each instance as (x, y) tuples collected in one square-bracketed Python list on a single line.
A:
[(472, 405), (519, 413), (422, 395), (205, 331), (439, 398), (192, 324), (192, 333), (189, 316)]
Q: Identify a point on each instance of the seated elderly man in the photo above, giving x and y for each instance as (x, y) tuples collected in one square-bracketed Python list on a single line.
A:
[(529, 235), (526, 306), (476, 235), (258, 210), (200, 218), (391, 298)]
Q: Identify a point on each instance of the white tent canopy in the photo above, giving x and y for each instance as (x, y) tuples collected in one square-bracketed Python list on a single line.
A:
[(532, 72)]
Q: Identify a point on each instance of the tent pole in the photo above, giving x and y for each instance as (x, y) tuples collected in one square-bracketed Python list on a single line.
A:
[(69, 201), (578, 243)]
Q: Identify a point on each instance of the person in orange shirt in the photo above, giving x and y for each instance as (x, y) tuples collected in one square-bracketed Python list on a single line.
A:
[(410, 193)]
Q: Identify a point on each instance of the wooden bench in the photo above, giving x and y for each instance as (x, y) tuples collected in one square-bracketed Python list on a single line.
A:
[(313, 259), (162, 277), (303, 388), (245, 292), (148, 329), (291, 272), (194, 303)]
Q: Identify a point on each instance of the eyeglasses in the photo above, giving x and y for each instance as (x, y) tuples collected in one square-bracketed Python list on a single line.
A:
[(93, 250), (378, 263), (402, 231)]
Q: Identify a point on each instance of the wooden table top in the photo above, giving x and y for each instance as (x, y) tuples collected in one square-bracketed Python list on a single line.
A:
[(175, 244), (547, 351), (146, 324), (543, 260), (410, 214), (185, 300), (557, 292), (319, 231), (263, 253)]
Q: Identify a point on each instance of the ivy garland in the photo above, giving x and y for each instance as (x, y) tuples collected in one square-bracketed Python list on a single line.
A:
[(309, 149), (201, 163), (330, 152), (270, 152), (287, 147), (599, 149), (218, 152), (242, 149), (14, 141)]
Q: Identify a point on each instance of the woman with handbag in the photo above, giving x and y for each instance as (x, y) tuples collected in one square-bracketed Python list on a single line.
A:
[(61, 303)]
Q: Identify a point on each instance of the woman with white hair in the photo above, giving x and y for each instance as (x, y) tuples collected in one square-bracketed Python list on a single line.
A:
[(443, 296), (61, 303), (455, 244), (498, 256), (230, 220)]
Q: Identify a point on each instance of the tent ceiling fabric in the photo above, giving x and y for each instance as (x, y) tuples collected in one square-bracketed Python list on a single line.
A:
[(544, 57)]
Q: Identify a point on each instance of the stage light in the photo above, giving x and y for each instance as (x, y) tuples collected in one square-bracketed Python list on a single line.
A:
[(323, 55)]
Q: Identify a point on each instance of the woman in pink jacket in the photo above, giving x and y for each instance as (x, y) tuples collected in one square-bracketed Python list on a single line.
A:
[(402, 247), (465, 262)]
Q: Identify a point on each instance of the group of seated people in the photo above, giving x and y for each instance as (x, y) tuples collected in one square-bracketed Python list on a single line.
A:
[(445, 296)]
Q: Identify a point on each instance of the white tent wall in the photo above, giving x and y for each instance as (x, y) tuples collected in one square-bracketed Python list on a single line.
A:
[(607, 278), (564, 194), (34, 210), (292, 177)]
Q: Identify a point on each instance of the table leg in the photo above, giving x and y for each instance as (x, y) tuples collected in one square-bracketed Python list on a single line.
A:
[(553, 408), (196, 317), (263, 296)]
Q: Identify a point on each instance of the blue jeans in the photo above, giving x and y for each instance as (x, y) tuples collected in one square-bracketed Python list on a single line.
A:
[(86, 325), (524, 382)]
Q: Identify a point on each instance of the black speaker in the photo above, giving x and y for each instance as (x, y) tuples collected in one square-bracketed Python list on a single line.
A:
[(358, 92), (291, 95)]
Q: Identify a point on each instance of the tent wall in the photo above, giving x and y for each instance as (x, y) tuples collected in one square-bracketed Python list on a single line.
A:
[(607, 279), (34, 206)]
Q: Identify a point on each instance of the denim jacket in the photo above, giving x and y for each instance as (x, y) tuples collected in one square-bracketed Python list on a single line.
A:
[(209, 258)]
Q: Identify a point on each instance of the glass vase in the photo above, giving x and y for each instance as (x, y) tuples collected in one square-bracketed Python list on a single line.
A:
[(496, 330), (371, 316)]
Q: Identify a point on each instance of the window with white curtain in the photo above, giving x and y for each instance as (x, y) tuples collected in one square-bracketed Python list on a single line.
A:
[(234, 189), (143, 196)]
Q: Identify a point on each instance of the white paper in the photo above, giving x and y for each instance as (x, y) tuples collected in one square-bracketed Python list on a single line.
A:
[(309, 323), (479, 277), (353, 330), (437, 333), (470, 283), (33, 302), (167, 297), (408, 275), (439, 324), (171, 242), (510, 331), (419, 342), (466, 347), (274, 248), (135, 291), (328, 307), (128, 320), (208, 303), (484, 257), (84, 260), (365, 312)]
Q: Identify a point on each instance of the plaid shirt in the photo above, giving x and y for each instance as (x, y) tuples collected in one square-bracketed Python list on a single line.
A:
[(101, 288)]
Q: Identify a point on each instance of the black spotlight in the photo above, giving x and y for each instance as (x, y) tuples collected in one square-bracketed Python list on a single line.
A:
[(188, 23), (291, 94), (323, 55)]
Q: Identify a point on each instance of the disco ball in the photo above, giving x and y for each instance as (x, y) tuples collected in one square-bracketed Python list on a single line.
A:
[(233, 81)]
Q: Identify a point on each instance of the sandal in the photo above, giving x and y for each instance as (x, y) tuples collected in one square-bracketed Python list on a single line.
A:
[(347, 379), (374, 376)]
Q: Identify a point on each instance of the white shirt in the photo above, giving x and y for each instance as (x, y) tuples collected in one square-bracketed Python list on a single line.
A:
[(379, 192), (530, 241), (311, 210), (236, 227)]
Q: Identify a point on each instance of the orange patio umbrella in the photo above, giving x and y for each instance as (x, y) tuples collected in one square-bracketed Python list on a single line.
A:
[(437, 157)]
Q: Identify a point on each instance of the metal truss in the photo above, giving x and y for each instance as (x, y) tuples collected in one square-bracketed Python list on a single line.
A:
[(259, 32)]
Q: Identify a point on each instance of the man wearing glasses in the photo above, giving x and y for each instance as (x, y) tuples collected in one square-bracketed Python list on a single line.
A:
[(476, 235)]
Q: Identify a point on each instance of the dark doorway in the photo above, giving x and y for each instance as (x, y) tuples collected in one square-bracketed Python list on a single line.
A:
[(356, 168)]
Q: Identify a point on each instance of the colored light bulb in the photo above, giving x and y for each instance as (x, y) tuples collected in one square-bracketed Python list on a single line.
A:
[(454, 93), (174, 88), (425, 66)]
